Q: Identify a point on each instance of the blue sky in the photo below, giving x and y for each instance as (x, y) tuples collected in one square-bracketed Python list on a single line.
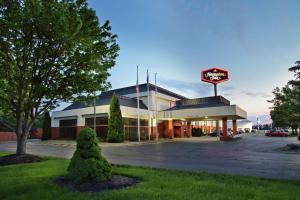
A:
[(255, 40)]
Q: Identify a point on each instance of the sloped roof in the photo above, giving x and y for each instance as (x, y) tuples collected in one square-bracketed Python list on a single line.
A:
[(105, 98), (205, 102), (143, 88)]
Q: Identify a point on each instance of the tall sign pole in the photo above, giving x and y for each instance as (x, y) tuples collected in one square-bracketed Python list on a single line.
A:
[(215, 87), (215, 76), (217, 121)]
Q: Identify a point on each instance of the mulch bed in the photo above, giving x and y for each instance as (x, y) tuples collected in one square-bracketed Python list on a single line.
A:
[(116, 182), (291, 148), (18, 159)]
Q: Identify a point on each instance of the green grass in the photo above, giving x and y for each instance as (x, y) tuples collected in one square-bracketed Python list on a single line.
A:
[(4, 153), (34, 181)]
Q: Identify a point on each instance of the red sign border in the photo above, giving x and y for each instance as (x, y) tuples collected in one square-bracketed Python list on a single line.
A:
[(214, 82)]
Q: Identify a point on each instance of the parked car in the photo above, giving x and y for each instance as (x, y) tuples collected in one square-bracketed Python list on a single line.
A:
[(279, 133), (214, 133)]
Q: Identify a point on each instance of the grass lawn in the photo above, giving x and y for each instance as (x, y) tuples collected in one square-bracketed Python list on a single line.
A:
[(34, 181)]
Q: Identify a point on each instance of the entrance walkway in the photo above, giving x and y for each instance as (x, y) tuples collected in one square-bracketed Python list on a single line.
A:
[(255, 155)]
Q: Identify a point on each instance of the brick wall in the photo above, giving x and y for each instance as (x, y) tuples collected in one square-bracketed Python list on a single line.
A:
[(8, 136)]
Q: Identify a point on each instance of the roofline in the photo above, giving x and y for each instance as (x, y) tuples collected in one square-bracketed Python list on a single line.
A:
[(153, 86)]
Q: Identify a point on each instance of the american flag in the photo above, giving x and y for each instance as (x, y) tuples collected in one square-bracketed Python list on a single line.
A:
[(147, 77), (137, 79)]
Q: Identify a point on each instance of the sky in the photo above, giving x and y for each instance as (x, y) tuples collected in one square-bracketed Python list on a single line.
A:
[(255, 40)]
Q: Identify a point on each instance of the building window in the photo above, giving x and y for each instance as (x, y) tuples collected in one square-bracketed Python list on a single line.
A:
[(68, 128), (101, 126), (131, 129)]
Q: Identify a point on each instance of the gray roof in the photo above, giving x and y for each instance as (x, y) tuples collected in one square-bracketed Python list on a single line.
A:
[(104, 99), (143, 88), (205, 102)]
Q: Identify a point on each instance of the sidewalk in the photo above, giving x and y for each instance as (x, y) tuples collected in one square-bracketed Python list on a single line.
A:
[(72, 143)]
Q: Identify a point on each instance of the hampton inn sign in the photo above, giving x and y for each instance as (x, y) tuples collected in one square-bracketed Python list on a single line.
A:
[(215, 75)]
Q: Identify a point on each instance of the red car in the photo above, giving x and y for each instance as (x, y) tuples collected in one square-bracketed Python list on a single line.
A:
[(277, 134)]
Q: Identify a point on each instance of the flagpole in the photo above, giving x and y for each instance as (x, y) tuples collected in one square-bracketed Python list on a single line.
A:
[(156, 108), (149, 118), (138, 101), (95, 129)]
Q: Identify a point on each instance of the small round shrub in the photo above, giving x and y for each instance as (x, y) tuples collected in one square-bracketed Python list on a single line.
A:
[(87, 164)]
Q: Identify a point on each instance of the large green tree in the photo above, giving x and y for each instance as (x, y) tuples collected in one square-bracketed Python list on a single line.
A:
[(115, 122), (285, 111), (50, 51)]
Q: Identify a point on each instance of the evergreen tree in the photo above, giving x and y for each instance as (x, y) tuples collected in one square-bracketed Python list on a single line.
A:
[(46, 127), (87, 164), (115, 123)]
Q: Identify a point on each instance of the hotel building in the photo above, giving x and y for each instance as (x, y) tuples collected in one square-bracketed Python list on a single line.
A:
[(167, 115)]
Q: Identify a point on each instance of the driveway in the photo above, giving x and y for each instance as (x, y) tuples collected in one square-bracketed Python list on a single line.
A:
[(254, 155)]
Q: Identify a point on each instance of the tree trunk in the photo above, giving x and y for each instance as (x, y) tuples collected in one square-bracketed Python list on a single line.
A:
[(21, 143)]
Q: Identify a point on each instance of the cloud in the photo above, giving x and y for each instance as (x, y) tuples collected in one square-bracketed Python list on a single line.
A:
[(227, 94), (189, 89), (192, 89), (257, 94), (227, 88), (263, 119)]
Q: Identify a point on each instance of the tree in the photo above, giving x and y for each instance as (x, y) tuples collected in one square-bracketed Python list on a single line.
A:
[(87, 164), (296, 70), (50, 51), (46, 127), (285, 111), (115, 122)]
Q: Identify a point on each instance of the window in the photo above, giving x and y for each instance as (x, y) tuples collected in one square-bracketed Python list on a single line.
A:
[(68, 122), (101, 126), (131, 128), (99, 121), (68, 128)]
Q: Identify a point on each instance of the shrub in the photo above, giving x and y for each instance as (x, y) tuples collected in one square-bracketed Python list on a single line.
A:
[(197, 132), (87, 164), (46, 127), (115, 122)]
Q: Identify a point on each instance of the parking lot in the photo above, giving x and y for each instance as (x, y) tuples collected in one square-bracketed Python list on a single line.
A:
[(253, 154)]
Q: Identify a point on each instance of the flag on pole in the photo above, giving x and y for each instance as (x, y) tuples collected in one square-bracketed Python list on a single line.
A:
[(137, 80), (147, 77)]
